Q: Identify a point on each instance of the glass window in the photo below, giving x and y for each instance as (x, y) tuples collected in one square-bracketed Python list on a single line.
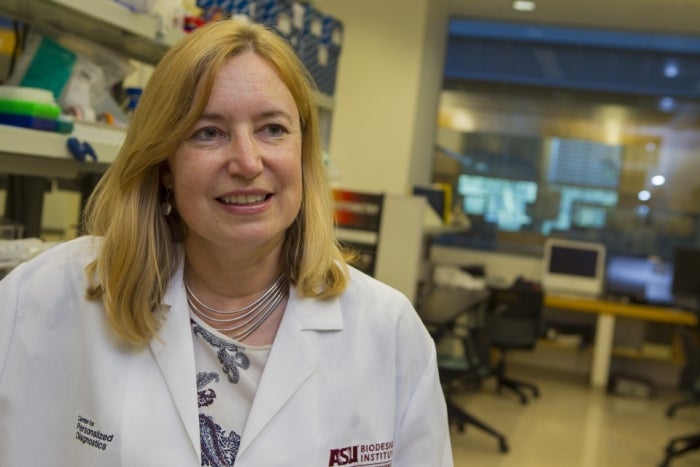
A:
[(534, 162), (583, 134)]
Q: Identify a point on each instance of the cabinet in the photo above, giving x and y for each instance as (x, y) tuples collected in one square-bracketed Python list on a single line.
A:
[(388, 233)]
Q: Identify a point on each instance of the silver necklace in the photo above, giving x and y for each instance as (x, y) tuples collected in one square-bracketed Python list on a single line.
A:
[(242, 322)]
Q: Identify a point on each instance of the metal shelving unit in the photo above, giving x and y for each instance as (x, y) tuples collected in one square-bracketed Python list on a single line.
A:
[(43, 153), (140, 36), (31, 157), (104, 22)]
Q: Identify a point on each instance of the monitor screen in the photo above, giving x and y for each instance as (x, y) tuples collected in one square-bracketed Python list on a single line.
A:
[(574, 261), (686, 272), (437, 198), (639, 279), (573, 267)]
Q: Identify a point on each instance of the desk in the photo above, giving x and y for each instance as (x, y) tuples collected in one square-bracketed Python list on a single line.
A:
[(607, 311)]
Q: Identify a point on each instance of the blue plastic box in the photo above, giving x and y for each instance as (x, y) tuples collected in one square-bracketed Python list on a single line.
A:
[(276, 14), (321, 61), (332, 32), (247, 8)]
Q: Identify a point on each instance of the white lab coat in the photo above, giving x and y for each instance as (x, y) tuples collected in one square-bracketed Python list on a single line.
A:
[(350, 381)]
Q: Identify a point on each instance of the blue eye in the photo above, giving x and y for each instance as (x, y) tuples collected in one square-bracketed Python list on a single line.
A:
[(275, 129), (206, 133)]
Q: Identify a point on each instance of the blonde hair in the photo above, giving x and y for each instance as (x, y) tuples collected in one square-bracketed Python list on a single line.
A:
[(137, 256)]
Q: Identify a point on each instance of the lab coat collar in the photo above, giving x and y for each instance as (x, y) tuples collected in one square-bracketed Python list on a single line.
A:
[(174, 352), (315, 314), (293, 359)]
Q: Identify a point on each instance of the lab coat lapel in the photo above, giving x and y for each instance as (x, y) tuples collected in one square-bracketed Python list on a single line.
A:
[(293, 359), (173, 350)]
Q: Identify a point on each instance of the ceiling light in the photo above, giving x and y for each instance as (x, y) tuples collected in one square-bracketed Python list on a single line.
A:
[(672, 69), (523, 5), (644, 195), (642, 210), (667, 104), (658, 180)]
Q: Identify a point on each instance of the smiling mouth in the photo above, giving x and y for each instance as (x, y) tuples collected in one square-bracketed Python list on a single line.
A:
[(241, 200)]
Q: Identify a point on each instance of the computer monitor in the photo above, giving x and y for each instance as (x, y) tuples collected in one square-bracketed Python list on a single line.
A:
[(438, 197), (641, 279), (686, 277), (574, 267)]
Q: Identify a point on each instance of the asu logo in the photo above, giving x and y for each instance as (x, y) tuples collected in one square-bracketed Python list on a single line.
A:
[(343, 456), (367, 455)]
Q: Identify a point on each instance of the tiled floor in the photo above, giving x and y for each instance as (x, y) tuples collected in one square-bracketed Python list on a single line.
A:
[(571, 425)]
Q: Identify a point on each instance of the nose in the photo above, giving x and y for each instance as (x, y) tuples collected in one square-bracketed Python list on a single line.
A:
[(245, 157)]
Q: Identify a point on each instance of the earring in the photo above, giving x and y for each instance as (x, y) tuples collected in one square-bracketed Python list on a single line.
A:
[(165, 207)]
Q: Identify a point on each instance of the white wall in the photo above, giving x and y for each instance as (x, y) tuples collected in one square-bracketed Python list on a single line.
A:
[(386, 101), (400, 246)]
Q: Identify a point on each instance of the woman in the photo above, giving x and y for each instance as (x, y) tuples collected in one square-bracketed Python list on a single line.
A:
[(210, 317)]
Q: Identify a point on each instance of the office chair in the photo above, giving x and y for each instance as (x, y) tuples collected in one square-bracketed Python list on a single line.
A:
[(690, 384), (452, 312), (689, 381), (517, 325)]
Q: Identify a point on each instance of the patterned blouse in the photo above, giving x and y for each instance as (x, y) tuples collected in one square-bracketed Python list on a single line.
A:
[(228, 374)]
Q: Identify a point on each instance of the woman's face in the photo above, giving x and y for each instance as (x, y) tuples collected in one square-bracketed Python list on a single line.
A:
[(237, 178)]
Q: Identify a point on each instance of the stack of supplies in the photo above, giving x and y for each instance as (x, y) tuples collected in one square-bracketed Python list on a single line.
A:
[(33, 108)]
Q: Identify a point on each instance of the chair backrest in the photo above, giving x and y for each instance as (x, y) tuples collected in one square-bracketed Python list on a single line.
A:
[(690, 374), (453, 312), (440, 305), (516, 317)]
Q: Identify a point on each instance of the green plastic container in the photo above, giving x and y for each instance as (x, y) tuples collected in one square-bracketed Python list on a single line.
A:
[(30, 109)]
